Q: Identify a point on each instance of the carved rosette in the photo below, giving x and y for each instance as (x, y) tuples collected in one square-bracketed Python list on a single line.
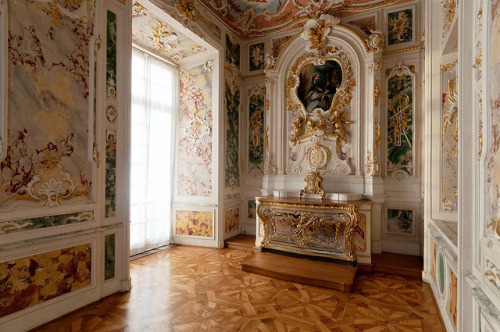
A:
[(376, 40)]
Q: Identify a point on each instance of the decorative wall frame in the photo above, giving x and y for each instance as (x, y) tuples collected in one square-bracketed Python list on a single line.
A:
[(110, 195), (111, 48), (400, 222), (256, 57), (492, 127), (232, 124), (231, 220), (448, 166), (449, 8), (319, 88), (233, 55), (71, 268), (256, 116), (195, 133), (252, 209), (401, 27), (331, 120), (110, 256), (36, 223), (400, 83), (57, 136), (187, 217)]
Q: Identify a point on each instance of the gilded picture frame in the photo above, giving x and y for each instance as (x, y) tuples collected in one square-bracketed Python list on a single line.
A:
[(321, 109)]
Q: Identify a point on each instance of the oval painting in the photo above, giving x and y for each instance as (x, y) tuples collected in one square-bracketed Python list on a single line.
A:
[(318, 85)]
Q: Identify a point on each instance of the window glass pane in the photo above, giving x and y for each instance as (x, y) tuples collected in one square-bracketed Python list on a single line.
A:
[(151, 130)]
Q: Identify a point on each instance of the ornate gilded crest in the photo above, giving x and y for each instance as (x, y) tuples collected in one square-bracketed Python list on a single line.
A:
[(313, 184)]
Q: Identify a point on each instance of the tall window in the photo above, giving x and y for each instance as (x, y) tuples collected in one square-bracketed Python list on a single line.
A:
[(153, 95)]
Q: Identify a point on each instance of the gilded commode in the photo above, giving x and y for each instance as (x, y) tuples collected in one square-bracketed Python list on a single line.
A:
[(315, 227)]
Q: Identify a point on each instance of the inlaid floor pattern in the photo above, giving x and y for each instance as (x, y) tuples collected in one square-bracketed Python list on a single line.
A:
[(201, 289)]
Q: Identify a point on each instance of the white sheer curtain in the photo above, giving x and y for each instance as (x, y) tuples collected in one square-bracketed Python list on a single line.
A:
[(153, 95)]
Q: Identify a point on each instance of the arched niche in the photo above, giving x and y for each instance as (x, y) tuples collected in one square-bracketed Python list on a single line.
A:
[(333, 135)]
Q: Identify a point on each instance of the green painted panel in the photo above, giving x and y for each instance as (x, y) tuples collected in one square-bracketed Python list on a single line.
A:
[(26, 224), (109, 259), (441, 273)]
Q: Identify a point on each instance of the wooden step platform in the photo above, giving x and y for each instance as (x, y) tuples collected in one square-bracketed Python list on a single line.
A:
[(323, 274), (242, 242), (406, 265)]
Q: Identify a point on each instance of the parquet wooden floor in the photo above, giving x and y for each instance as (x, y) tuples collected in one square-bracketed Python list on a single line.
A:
[(201, 289)]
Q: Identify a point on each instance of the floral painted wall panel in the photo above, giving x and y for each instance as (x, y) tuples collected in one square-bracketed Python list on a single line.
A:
[(400, 222), (194, 223), (400, 123), (256, 132), (400, 27), (232, 52), (109, 256), (110, 173), (195, 131), (111, 72), (12, 226), (449, 140), (231, 220), (492, 274), (232, 104), (493, 155), (32, 280), (256, 57), (48, 144)]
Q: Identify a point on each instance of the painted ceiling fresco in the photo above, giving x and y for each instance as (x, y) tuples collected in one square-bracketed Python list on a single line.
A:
[(157, 36), (258, 17)]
